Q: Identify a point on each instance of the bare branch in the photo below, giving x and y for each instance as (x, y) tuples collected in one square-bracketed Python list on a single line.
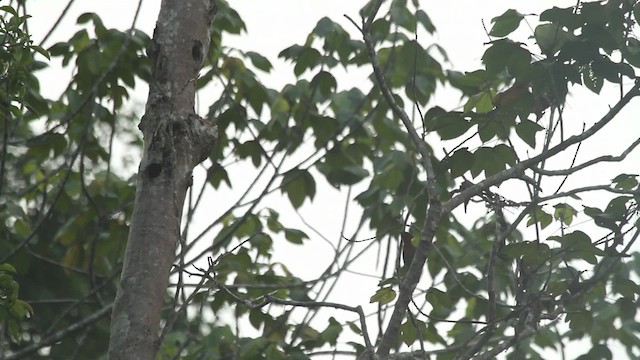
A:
[(606, 158), (589, 188), (270, 299)]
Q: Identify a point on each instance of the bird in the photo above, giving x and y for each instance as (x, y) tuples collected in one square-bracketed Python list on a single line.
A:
[(408, 249), (517, 92), (511, 95)]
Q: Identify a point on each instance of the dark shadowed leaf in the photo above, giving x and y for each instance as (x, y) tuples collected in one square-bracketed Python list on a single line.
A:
[(506, 23), (298, 185), (527, 130)]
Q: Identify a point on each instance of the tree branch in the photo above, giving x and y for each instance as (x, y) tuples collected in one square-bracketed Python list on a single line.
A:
[(589, 188), (270, 299), (606, 158), (434, 213), (71, 329), (515, 170)]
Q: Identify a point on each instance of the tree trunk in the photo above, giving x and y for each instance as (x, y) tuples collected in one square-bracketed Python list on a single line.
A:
[(175, 141)]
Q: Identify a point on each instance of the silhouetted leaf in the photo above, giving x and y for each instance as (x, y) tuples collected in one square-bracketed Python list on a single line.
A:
[(506, 23), (298, 185)]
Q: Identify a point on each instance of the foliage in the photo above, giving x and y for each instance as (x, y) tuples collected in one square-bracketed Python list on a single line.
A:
[(12, 309), (538, 268)]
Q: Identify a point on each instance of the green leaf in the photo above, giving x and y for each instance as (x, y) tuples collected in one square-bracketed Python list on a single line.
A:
[(400, 15), (22, 308), (578, 245), (432, 335), (291, 52), (540, 216), (253, 149), (546, 338), (580, 321), (610, 70), (411, 62), (592, 81), (383, 296), (601, 352), (8, 268), (389, 169), (600, 218), (352, 174), (626, 287), (14, 331), (631, 51), (565, 213), (460, 162), (449, 125), (506, 23), (59, 49), (625, 181), (22, 228), (527, 130), (41, 51), (408, 333), (345, 104), (332, 332), (256, 318), (324, 128), (519, 62), (551, 37), (9, 9), (379, 32), (342, 175), (439, 300), (8, 291), (500, 54), (492, 160), (469, 83), (410, 330), (308, 59), (516, 250), (216, 174), (253, 348), (249, 227), (355, 328), (227, 19), (295, 236), (259, 61), (565, 17), (617, 207), (424, 20), (324, 27), (481, 101), (272, 221), (298, 184), (325, 83), (85, 18), (263, 243)]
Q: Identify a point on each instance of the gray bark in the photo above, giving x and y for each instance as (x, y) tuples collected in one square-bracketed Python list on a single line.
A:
[(175, 141)]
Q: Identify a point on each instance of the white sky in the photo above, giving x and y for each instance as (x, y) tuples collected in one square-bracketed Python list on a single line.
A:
[(276, 24)]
